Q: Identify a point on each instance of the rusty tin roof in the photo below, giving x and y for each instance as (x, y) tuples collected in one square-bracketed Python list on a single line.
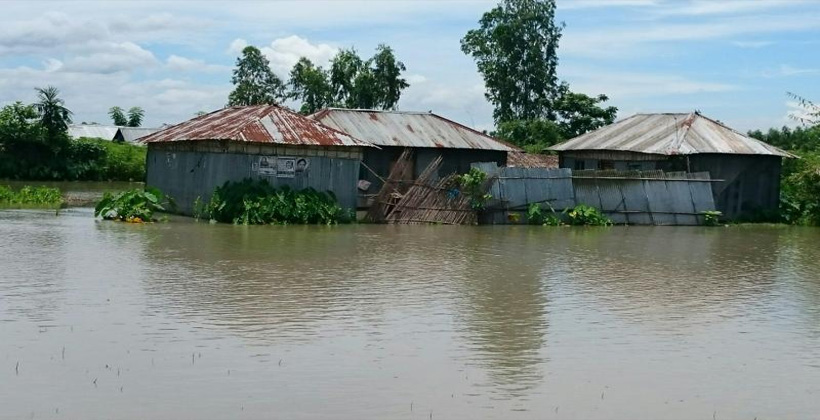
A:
[(670, 134), (529, 160), (255, 124), (408, 129)]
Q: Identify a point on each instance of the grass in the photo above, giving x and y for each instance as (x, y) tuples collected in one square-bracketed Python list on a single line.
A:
[(30, 198)]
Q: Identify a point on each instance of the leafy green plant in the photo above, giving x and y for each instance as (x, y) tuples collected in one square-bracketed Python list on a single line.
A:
[(250, 202), (133, 206), (538, 215), (711, 218), (584, 215), (472, 184), (30, 197)]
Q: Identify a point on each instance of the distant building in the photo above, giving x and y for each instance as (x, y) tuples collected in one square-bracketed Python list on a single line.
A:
[(749, 169), (133, 134), (428, 134), (93, 131), (188, 161)]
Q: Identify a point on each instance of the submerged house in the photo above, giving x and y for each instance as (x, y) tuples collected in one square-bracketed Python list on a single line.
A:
[(188, 161), (427, 134), (748, 170)]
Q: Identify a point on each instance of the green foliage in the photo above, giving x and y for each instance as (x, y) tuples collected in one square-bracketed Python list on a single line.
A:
[(532, 135), (473, 185), (583, 215), (375, 83), (800, 191), (54, 116), (797, 139), (134, 206), (578, 113), (540, 215), (254, 82), (250, 202), (311, 85), (117, 115), (811, 111), (30, 197), (135, 116), (711, 218), (515, 49)]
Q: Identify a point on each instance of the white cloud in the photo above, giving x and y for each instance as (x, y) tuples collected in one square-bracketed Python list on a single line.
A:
[(752, 44), (725, 7), (237, 45), (591, 4), (283, 53), (111, 58), (787, 70), (415, 79), (182, 64), (620, 86)]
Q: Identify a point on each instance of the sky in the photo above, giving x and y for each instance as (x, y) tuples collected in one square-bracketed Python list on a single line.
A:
[(733, 60)]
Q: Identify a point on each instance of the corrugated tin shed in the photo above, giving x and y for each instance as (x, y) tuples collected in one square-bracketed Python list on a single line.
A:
[(255, 124), (529, 160), (132, 134), (670, 134), (408, 129), (105, 132)]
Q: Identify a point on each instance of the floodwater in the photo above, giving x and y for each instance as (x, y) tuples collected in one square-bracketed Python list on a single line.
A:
[(191, 320)]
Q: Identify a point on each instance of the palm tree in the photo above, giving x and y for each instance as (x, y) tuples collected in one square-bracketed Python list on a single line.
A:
[(54, 116), (135, 116)]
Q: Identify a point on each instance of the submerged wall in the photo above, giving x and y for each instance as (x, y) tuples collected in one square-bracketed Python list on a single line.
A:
[(187, 171)]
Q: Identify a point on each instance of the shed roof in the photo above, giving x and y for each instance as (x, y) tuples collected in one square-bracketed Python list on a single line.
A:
[(94, 131), (132, 134), (670, 134), (255, 124), (408, 129)]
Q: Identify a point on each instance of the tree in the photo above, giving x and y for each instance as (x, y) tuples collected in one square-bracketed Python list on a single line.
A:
[(375, 83), (311, 85), (255, 83), (54, 116), (344, 70), (515, 49), (811, 111), (531, 135), (387, 75), (578, 113), (135, 116), (117, 115)]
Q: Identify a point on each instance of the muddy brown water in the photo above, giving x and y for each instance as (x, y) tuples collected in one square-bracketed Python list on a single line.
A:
[(190, 320)]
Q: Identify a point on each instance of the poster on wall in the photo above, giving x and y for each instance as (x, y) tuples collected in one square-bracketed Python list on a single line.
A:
[(266, 165), (288, 167)]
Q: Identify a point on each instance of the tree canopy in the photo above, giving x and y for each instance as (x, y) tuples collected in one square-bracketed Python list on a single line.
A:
[(254, 82), (117, 115), (54, 116), (135, 116), (515, 49), (350, 82)]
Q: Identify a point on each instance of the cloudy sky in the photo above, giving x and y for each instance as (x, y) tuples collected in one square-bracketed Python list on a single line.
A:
[(733, 60)]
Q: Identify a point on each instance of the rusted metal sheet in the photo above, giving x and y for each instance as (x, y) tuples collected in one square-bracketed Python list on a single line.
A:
[(529, 160), (670, 134), (408, 129), (255, 124)]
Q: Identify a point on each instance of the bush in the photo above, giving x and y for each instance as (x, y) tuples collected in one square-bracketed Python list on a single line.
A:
[(586, 216), (36, 197), (800, 191), (538, 215), (134, 206), (250, 202)]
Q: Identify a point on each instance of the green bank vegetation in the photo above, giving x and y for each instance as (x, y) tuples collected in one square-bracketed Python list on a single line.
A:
[(580, 215), (30, 198), (132, 206), (256, 202), (800, 180), (34, 145)]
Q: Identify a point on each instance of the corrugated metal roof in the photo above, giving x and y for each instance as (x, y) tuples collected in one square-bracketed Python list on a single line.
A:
[(408, 129), (94, 131), (670, 134), (255, 124), (529, 160), (132, 134)]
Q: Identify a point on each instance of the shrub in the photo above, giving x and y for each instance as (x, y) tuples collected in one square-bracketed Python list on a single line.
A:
[(134, 206), (250, 202), (711, 218), (586, 216), (538, 215), (36, 197), (472, 184), (800, 191)]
